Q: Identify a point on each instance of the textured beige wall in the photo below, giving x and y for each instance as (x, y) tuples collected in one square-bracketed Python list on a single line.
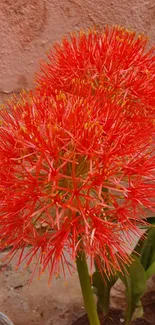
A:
[(29, 27)]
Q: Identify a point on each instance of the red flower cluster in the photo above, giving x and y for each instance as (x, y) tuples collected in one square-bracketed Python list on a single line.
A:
[(77, 155), (113, 60)]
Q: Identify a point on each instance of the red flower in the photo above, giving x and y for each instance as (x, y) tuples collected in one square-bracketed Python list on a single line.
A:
[(77, 166), (113, 59)]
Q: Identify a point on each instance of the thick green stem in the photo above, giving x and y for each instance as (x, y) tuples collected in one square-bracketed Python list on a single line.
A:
[(88, 297), (129, 310)]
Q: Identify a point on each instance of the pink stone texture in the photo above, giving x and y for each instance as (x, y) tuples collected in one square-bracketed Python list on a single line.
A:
[(29, 27)]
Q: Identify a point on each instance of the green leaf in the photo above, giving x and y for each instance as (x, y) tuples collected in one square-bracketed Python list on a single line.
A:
[(151, 220), (102, 285), (140, 244), (147, 254), (134, 279), (145, 249), (151, 270)]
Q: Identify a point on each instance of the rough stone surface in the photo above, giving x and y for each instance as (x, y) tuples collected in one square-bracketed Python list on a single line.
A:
[(29, 27)]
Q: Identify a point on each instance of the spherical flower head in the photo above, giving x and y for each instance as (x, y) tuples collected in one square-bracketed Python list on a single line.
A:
[(77, 173), (115, 59)]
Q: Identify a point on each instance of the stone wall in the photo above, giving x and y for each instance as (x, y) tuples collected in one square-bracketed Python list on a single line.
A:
[(29, 27)]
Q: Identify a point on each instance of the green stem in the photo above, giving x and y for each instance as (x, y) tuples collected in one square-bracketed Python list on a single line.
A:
[(88, 297), (129, 310)]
